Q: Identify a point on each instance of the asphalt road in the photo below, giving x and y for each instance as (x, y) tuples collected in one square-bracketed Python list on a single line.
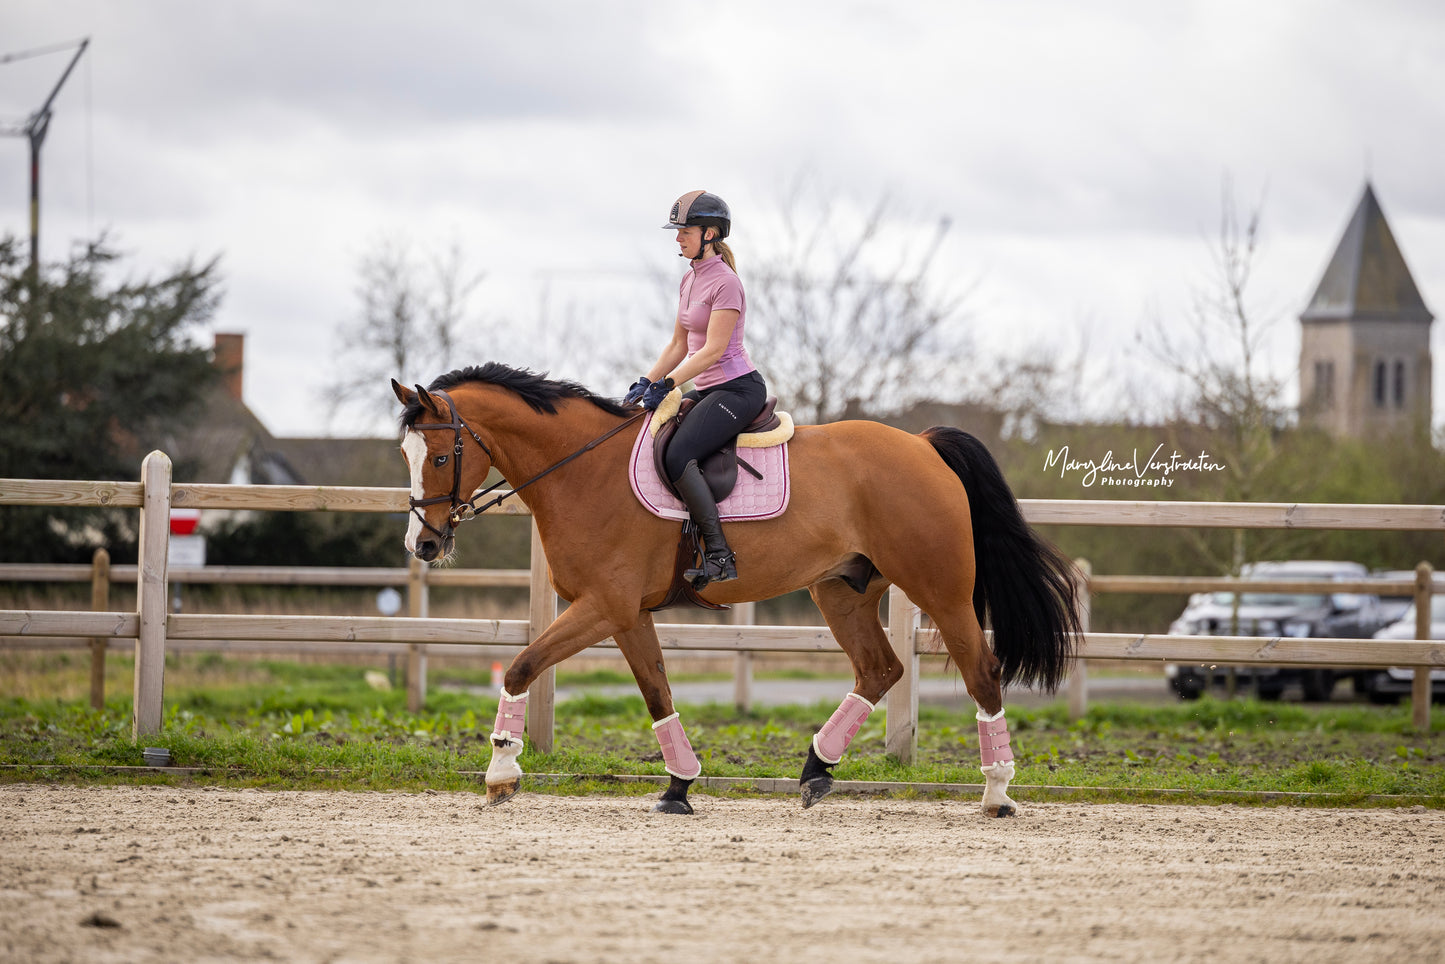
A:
[(933, 690)]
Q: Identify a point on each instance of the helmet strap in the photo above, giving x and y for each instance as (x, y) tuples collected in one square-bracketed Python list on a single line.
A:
[(702, 246), (703, 243)]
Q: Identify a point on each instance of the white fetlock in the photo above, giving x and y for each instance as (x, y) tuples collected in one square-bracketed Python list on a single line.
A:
[(504, 776), (503, 768), (996, 801)]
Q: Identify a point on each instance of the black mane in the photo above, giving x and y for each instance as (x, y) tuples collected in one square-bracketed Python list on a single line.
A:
[(537, 390)]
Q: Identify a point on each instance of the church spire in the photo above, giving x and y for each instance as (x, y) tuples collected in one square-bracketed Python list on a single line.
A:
[(1367, 278), (1365, 367)]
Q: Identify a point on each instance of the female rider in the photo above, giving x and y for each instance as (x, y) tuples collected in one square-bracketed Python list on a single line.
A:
[(706, 348)]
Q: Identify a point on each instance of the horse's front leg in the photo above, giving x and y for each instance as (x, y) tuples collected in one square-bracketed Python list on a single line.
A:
[(578, 627), (644, 655)]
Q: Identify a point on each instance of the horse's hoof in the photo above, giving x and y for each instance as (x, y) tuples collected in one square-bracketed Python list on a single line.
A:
[(816, 789), (1003, 810), (502, 792), (673, 806)]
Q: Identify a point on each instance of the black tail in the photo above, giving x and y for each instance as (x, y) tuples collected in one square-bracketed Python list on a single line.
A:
[(1024, 585)]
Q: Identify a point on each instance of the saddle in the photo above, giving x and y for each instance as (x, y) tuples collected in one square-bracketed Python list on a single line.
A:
[(720, 469)]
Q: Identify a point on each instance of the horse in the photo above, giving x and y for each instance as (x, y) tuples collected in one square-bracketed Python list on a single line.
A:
[(871, 506)]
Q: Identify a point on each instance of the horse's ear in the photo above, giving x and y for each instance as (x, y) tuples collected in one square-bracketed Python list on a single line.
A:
[(425, 397), (403, 394)]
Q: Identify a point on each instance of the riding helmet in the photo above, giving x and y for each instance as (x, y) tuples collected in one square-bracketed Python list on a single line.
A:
[(701, 209)]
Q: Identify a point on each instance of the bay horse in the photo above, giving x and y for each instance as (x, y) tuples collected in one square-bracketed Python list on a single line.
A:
[(871, 506)]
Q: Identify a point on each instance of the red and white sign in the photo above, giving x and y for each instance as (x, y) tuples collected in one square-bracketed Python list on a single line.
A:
[(184, 521), (187, 547)]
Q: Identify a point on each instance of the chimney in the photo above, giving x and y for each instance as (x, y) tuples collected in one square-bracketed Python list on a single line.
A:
[(229, 359)]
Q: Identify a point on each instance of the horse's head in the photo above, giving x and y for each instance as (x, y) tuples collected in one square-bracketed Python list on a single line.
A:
[(448, 462)]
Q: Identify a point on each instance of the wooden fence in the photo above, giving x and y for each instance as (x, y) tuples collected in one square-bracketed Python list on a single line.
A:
[(151, 625), (416, 580)]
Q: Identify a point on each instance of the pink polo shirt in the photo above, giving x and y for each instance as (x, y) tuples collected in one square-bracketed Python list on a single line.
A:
[(709, 286)]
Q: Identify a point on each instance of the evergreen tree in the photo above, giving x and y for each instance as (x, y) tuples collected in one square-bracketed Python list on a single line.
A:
[(87, 367)]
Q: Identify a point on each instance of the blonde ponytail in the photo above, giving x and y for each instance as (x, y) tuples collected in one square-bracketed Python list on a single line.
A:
[(726, 253)]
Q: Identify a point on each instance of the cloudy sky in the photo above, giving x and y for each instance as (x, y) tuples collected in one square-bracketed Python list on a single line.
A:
[(1077, 149)]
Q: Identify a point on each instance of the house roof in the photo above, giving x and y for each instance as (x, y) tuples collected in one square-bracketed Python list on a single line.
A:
[(1367, 278), (222, 434), (226, 434), (344, 461)]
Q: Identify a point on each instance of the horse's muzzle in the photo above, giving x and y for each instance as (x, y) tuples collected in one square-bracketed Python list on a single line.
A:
[(429, 550)]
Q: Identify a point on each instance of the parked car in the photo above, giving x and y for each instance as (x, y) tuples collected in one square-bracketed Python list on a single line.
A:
[(1389, 685), (1395, 600), (1323, 614)]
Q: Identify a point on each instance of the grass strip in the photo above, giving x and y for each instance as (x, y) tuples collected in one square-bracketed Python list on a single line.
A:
[(308, 725)]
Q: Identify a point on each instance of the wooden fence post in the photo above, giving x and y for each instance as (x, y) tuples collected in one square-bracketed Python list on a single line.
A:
[(150, 644), (418, 604), (1420, 688), (900, 728), (1079, 678), (743, 614), (99, 603), (542, 610)]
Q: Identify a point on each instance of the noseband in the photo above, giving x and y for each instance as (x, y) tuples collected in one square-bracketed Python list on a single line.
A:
[(464, 509)]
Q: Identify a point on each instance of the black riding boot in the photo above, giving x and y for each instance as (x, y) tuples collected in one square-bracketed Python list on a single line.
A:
[(717, 558)]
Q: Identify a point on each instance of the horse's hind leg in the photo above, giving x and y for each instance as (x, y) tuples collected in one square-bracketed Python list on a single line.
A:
[(853, 619), (644, 655), (964, 639)]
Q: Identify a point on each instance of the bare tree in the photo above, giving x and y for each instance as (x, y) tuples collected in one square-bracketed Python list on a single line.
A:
[(1232, 397), (1040, 382), (839, 314), (411, 313)]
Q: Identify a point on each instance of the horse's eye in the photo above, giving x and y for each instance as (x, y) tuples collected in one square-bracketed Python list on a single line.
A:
[(439, 460)]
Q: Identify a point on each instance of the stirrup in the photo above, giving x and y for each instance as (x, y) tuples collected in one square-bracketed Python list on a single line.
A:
[(716, 567)]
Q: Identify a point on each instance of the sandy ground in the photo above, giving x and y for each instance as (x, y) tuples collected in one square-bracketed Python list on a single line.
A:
[(217, 874)]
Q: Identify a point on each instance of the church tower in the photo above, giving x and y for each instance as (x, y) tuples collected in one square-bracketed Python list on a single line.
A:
[(1365, 343)]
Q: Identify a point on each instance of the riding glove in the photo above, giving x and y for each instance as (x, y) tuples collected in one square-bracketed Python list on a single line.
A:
[(636, 391), (655, 393)]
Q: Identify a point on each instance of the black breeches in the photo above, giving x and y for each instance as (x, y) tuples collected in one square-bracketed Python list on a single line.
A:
[(721, 413)]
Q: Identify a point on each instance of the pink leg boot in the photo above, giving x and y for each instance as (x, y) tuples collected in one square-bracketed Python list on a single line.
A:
[(830, 742), (828, 746), (997, 757), (504, 776), (677, 756)]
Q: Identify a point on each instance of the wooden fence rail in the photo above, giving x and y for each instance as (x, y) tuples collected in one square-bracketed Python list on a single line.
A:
[(274, 575), (151, 625)]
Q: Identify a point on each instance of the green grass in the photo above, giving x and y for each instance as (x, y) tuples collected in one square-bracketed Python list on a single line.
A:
[(295, 725)]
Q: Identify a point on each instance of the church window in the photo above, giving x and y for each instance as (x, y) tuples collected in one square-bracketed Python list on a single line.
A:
[(1399, 384), (1325, 384)]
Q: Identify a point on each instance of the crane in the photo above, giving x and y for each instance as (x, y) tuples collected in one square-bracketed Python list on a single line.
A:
[(34, 129)]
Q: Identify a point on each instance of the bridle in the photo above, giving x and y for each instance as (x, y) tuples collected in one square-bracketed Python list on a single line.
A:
[(455, 496), (464, 509)]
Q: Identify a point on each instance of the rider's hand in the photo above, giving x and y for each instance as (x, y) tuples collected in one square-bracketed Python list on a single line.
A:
[(655, 393), (637, 390)]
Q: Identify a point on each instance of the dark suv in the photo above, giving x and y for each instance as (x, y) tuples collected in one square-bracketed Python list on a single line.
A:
[(1324, 614)]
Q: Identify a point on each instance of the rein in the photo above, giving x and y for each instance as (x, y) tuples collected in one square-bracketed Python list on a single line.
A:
[(464, 509)]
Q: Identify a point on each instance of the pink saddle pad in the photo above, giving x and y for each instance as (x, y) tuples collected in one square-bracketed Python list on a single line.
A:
[(752, 499)]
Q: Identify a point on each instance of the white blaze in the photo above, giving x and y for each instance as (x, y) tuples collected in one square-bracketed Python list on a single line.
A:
[(414, 448)]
